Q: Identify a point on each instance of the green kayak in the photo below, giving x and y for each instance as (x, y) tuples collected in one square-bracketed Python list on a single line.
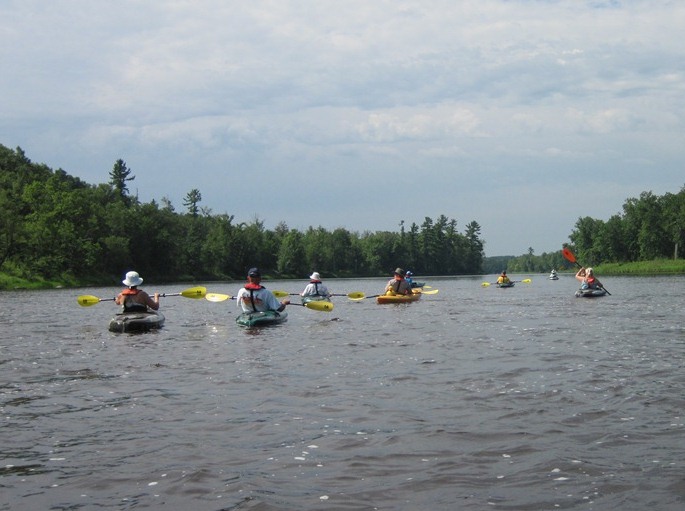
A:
[(136, 321), (254, 319)]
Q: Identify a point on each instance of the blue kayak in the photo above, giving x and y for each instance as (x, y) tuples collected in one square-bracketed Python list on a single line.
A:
[(590, 293)]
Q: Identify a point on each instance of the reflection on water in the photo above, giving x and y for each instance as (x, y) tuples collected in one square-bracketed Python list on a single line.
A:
[(474, 398)]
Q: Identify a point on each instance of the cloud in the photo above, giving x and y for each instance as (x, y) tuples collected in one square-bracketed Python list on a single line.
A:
[(459, 102)]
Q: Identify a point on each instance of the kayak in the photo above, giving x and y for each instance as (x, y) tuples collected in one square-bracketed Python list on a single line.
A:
[(136, 321), (590, 293), (506, 284), (553, 277), (313, 298), (416, 295), (417, 284), (252, 319)]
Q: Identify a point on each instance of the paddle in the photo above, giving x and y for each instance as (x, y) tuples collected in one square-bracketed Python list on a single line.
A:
[(525, 281), (218, 297), (360, 296), (193, 292), (568, 255), (283, 294), (317, 305)]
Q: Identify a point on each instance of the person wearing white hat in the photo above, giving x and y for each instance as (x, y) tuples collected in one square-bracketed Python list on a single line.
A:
[(133, 299), (587, 279), (315, 287)]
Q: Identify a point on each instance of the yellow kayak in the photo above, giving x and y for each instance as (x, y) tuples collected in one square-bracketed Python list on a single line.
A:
[(416, 295)]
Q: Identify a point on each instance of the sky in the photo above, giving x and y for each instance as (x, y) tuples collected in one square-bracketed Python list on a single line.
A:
[(520, 115)]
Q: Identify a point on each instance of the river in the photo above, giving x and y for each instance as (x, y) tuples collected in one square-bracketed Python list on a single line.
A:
[(474, 398)]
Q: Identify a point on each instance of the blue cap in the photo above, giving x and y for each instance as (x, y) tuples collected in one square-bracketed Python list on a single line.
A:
[(254, 272)]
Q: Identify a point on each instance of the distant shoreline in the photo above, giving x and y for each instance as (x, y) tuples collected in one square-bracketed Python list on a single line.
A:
[(639, 268)]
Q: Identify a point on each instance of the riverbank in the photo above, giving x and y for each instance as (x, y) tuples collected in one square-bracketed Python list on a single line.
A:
[(657, 267)]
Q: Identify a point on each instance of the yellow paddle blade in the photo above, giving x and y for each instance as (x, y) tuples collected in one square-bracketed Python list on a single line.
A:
[(87, 300), (320, 305), (217, 297), (527, 281), (280, 294), (485, 284), (431, 292), (195, 292), (356, 296)]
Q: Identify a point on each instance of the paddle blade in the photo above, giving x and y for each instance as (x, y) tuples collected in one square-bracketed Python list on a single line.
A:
[(195, 292), (87, 300), (280, 294), (217, 297), (320, 305), (568, 255), (430, 292), (355, 295), (527, 281), (485, 284)]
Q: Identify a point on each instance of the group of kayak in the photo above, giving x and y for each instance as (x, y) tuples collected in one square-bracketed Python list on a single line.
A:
[(590, 286), (258, 308), (258, 305)]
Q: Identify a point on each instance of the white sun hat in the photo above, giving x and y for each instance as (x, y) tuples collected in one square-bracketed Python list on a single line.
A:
[(132, 279)]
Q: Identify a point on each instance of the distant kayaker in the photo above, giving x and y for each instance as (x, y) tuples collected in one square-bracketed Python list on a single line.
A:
[(134, 299), (398, 285), (503, 279), (253, 297), (315, 287), (407, 277), (587, 279)]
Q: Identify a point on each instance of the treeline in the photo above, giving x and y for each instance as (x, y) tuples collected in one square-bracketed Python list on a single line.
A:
[(56, 227), (650, 228)]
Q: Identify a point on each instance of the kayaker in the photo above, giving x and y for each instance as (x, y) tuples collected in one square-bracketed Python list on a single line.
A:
[(253, 297), (133, 299), (503, 279), (315, 287), (587, 279), (407, 277), (398, 285)]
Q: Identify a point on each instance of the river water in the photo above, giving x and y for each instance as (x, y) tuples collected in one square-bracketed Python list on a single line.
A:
[(474, 398)]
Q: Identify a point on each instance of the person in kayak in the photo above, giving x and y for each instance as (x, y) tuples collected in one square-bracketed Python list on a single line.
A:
[(253, 297), (398, 285), (133, 299), (315, 287), (503, 279), (587, 279)]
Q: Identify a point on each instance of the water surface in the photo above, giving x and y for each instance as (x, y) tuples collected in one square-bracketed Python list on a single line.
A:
[(475, 398)]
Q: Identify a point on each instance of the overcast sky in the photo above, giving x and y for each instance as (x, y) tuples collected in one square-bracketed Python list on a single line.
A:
[(523, 115)]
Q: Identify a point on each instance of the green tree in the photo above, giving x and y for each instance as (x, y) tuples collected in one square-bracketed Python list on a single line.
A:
[(118, 177), (191, 201)]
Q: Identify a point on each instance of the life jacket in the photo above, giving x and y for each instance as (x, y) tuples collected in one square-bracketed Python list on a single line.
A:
[(397, 284), (591, 282), (251, 287), (130, 303), (316, 287)]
